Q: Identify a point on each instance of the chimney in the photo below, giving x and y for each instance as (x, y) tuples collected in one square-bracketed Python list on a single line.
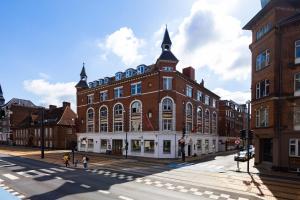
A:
[(51, 107), (189, 72), (65, 104)]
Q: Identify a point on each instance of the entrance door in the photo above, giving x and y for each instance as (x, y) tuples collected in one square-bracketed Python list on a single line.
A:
[(117, 147), (189, 150), (267, 149)]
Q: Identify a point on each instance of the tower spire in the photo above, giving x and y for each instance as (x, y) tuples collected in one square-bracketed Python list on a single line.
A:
[(83, 78), (166, 43), (83, 75), (2, 100)]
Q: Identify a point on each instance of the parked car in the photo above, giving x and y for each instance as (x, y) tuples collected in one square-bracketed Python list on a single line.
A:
[(241, 156)]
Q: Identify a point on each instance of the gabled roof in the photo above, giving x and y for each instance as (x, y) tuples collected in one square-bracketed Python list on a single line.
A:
[(19, 102)]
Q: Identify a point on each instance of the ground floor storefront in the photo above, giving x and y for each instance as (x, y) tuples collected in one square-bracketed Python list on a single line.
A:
[(149, 144)]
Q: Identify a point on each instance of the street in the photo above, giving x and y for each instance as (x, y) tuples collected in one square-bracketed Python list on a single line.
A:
[(124, 179)]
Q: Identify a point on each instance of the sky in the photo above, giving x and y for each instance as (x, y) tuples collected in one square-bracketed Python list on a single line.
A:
[(44, 43)]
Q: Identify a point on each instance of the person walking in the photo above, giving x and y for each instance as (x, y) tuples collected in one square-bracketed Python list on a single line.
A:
[(66, 160), (85, 160)]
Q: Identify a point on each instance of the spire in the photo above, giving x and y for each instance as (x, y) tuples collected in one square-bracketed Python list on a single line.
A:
[(83, 74), (2, 100), (83, 78), (166, 43)]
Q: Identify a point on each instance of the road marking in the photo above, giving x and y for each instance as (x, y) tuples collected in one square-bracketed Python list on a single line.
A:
[(10, 190), (69, 181), (21, 196), (57, 169), (240, 198), (208, 192), (10, 176), (47, 171), (193, 189), (85, 186), (159, 185), (198, 193), (170, 188), (1, 180), (183, 190), (15, 193), (57, 177), (125, 198), (66, 168), (104, 191), (168, 184), (214, 197), (180, 187), (5, 187), (225, 196), (37, 173)]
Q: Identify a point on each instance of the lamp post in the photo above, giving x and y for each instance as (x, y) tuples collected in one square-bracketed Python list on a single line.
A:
[(248, 134), (182, 140), (42, 135), (126, 138)]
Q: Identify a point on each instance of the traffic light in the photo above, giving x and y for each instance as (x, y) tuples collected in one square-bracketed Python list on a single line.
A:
[(183, 131), (250, 136), (243, 134)]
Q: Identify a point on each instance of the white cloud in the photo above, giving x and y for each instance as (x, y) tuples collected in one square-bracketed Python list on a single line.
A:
[(211, 37), (52, 93), (124, 44), (44, 76), (237, 96)]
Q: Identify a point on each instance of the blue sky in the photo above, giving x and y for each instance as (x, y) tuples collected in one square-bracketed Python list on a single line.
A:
[(43, 43)]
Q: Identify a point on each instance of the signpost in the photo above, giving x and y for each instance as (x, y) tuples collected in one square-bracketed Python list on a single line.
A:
[(238, 142)]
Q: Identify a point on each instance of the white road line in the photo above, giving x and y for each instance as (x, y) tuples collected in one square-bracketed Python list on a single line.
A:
[(37, 174), (225, 196), (15, 193), (57, 169), (183, 190), (66, 168), (21, 196), (57, 177), (104, 191), (125, 198), (1, 185), (10, 176), (193, 189), (48, 171), (213, 197), (240, 198), (5, 188), (69, 181), (1, 180), (10, 190), (85, 186), (198, 193)]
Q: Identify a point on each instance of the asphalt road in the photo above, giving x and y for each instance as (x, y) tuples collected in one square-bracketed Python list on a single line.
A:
[(36, 180)]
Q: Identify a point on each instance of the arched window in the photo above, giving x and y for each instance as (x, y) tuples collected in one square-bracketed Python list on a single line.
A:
[(167, 105), (189, 117), (167, 114), (136, 116), (103, 113), (199, 120), (207, 122), (214, 123), (90, 120), (118, 117)]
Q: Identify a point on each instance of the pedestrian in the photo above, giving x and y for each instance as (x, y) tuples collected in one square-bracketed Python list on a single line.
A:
[(85, 160), (76, 163), (66, 160)]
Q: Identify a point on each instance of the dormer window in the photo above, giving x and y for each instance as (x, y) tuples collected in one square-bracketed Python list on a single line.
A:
[(118, 76), (141, 69), (129, 73), (167, 69), (297, 52), (90, 84), (106, 80), (101, 81)]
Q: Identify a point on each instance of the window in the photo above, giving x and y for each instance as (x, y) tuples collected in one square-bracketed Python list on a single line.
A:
[(148, 146), (136, 116), (294, 147), (263, 31), (167, 124), (103, 144), (90, 120), (262, 117), (90, 99), (118, 109), (262, 89), (106, 80), (207, 122), (118, 126), (297, 52), (189, 117), (214, 104), (206, 145), (118, 92), (199, 145), (189, 91), (214, 123), (136, 88), (118, 118), (263, 60), (167, 105), (129, 73), (136, 145), (297, 84), (90, 143), (103, 127), (167, 147), (118, 76), (199, 96), (103, 119), (297, 118), (167, 83), (199, 120), (141, 69), (207, 99), (103, 96), (167, 69)]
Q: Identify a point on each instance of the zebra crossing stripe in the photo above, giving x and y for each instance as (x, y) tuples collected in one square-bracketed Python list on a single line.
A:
[(66, 168), (57, 169), (10, 176), (48, 171)]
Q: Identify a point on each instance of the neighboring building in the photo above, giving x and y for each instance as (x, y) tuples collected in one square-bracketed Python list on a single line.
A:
[(276, 83), (148, 105), (232, 119), (12, 113), (59, 128)]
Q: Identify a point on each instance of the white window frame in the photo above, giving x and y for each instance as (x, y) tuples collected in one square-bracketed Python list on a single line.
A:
[(297, 45), (259, 65), (90, 122), (140, 69), (167, 83), (199, 95), (207, 99), (118, 76), (189, 91), (134, 87), (119, 89), (297, 147), (129, 73), (102, 95), (90, 99), (103, 122), (296, 92), (214, 103), (168, 69)]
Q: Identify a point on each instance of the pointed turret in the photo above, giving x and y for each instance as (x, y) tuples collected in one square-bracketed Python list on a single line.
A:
[(83, 79), (2, 100), (166, 43)]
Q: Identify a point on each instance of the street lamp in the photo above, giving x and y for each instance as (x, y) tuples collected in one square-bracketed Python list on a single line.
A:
[(126, 139), (182, 141), (42, 135), (248, 134)]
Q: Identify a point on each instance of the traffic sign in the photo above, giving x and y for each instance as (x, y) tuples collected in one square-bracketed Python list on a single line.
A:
[(237, 142)]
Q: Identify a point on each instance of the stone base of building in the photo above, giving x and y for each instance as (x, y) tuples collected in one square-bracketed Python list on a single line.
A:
[(149, 144)]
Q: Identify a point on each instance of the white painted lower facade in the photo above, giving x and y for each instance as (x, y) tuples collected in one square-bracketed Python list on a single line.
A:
[(163, 145)]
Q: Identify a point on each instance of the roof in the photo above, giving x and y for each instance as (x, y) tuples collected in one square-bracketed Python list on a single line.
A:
[(291, 19), (19, 102), (82, 84), (166, 39), (1, 93), (82, 73), (268, 7), (167, 55)]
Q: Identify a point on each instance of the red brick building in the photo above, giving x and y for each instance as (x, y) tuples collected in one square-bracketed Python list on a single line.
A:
[(148, 107), (59, 128), (232, 119), (275, 84)]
